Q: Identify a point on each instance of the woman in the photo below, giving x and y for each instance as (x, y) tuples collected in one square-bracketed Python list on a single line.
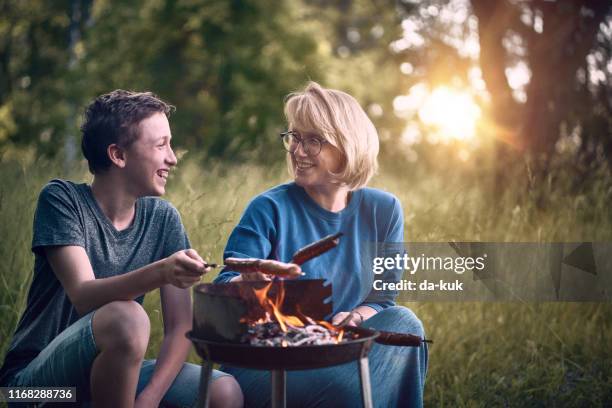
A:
[(332, 153)]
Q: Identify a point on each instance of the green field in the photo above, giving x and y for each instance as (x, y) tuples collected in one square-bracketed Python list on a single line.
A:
[(485, 354)]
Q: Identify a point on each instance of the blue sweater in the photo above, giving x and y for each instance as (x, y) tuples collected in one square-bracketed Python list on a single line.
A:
[(283, 219)]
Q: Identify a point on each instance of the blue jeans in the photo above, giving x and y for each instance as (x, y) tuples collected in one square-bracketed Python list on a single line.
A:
[(67, 362), (397, 374)]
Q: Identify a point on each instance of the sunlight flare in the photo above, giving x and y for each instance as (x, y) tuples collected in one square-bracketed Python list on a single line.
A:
[(454, 114)]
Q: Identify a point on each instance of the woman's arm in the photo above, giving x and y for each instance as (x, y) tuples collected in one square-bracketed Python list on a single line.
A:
[(253, 237)]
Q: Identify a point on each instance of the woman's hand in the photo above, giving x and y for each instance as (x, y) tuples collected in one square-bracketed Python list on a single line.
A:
[(347, 319), (355, 317)]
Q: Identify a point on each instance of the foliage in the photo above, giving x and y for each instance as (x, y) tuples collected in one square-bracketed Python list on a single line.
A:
[(227, 65), (34, 74), (564, 45)]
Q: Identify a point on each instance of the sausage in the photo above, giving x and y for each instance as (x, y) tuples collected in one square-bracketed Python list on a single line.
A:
[(267, 266), (276, 268), (391, 338), (243, 265), (316, 248)]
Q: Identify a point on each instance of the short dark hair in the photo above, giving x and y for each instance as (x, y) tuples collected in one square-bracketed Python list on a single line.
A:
[(113, 118)]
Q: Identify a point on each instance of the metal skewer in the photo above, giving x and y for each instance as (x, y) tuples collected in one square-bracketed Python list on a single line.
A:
[(214, 265)]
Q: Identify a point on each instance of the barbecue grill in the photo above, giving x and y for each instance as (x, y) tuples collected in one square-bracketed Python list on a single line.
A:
[(221, 316), (280, 359)]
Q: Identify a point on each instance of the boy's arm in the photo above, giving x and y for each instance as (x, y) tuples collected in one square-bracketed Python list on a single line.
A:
[(73, 269), (177, 315)]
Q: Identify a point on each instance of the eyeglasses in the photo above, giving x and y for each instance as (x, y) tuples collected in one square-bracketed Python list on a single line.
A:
[(312, 145)]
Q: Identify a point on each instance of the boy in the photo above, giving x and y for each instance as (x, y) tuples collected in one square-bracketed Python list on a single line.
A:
[(98, 249)]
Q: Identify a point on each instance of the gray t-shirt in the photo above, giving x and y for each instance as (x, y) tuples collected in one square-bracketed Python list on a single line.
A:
[(68, 214)]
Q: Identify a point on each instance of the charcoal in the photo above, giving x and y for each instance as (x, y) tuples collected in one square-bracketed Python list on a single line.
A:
[(270, 334)]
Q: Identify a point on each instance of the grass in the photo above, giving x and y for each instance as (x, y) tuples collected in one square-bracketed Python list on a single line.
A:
[(485, 354)]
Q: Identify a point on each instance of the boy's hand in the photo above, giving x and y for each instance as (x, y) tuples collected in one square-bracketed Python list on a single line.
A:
[(183, 269)]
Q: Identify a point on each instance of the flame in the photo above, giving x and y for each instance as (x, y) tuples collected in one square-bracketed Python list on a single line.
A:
[(272, 307), (327, 325)]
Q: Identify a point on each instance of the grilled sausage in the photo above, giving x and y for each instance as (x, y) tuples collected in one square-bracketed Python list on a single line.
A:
[(267, 266), (391, 338), (316, 248)]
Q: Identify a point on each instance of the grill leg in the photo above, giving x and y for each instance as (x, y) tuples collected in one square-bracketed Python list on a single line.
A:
[(364, 376), (205, 377), (279, 379)]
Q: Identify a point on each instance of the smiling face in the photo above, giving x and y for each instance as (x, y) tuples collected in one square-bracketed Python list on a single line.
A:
[(315, 172), (149, 158)]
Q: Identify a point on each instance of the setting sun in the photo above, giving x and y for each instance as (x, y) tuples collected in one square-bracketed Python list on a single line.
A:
[(454, 114)]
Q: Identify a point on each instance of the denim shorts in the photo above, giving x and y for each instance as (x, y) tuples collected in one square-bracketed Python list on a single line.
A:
[(68, 359)]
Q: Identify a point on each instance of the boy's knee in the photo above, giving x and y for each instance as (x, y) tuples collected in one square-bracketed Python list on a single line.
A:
[(122, 325), (226, 392)]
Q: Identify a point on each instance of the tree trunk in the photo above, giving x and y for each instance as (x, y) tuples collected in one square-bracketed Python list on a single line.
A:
[(553, 56)]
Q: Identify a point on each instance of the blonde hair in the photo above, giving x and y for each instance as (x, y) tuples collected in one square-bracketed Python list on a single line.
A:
[(338, 118)]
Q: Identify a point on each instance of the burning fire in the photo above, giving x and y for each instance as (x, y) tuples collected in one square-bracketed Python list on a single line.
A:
[(272, 308)]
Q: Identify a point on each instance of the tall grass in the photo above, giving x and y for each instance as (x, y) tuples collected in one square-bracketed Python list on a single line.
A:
[(485, 354)]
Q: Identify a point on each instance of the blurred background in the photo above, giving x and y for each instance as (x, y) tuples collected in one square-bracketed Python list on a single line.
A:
[(495, 121)]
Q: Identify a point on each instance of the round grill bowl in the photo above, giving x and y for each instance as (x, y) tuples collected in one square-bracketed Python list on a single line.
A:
[(286, 358)]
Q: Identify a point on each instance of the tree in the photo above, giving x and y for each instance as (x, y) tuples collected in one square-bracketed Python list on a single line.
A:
[(226, 65), (34, 72), (558, 36)]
